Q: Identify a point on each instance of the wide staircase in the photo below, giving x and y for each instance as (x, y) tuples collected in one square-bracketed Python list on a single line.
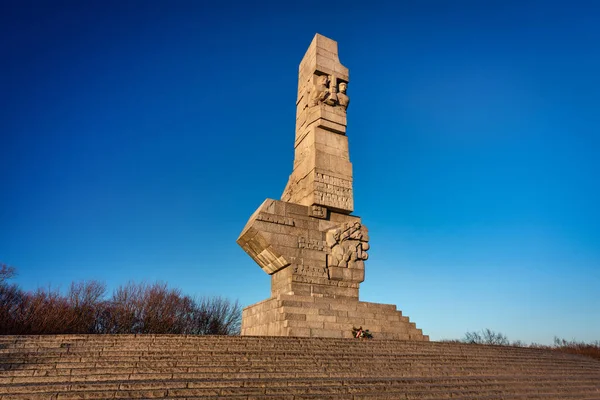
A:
[(203, 367)]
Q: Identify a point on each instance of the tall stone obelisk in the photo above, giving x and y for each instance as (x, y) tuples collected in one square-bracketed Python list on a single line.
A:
[(308, 242)]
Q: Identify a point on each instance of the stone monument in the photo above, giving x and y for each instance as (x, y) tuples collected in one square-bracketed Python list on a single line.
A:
[(308, 241)]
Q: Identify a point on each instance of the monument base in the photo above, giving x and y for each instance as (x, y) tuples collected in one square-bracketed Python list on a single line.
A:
[(308, 316)]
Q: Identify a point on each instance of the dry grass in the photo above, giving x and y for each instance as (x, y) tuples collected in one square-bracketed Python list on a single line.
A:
[(574, 347), (489, 337)]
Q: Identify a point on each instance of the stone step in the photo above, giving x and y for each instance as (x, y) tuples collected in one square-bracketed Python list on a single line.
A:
[(151, 366), (344, 352), (330, 362), (352, 392), (269, 356), (104, 374), (215, 363), (289, 376), (136, 340), (360, 396), (347, 351), (253, 386), (195, 339), (324, 365), (203, 342), (341, 354), (211, 360), (64, 346), (348, 346), (250, 381)]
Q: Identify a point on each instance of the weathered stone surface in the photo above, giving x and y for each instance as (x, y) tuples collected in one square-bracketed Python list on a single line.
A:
[(191, 366), (292, 246), (309, 316), (308, 241), (322, 172)]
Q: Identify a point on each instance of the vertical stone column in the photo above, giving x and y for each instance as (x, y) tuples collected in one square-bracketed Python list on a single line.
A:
[(322, 174)]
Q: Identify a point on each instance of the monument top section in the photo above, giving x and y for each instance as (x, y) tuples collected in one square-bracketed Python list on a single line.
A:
[(322, 81), (322, 175), (328, 49), (321, 61)]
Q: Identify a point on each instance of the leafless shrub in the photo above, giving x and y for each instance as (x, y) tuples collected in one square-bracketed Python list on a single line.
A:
[(133, 308), (85, 301), (44, 311), (123, 314), (6, 272), (473, 338), (573, 347), (216, 316), (10, 299), (486, 336), (143, 308)]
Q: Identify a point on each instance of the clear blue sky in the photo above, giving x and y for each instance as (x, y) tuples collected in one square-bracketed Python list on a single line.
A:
[(137, 137)]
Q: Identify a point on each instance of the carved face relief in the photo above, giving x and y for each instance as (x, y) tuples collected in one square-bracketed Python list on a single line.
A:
[(343, 87), (322, 80)]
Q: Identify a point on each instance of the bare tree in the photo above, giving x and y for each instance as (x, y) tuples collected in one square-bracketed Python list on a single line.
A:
[(11, 296), (85, 301), (44, 311), (217, 316), (164, 310), (133, 308), (6, 272), (486, 336), (123, 312)]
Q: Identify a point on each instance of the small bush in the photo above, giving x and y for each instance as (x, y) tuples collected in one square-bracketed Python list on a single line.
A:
[(486, 336), (216, 316), (581, 348), (572, 347)]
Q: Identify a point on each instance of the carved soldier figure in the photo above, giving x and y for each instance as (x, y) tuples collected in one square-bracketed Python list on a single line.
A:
[(342, 97), (348, 245), (320, 91), (338, 256)]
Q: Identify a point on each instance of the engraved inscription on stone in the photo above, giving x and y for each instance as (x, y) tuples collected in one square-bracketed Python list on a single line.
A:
[(311, 244), (275, 219), (332, 191), (317, 211), (307, 270), (333, 181), (332, 199)]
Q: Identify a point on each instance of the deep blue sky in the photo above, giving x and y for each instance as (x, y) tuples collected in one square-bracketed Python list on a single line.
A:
[(137, 137)]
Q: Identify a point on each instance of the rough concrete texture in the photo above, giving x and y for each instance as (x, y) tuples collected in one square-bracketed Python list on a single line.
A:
[(308, 241)]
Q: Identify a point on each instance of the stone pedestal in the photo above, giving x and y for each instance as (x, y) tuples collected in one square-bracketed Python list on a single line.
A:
[(309, 316)]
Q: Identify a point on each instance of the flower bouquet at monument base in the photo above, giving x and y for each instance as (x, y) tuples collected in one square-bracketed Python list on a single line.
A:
[(361, 333)]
